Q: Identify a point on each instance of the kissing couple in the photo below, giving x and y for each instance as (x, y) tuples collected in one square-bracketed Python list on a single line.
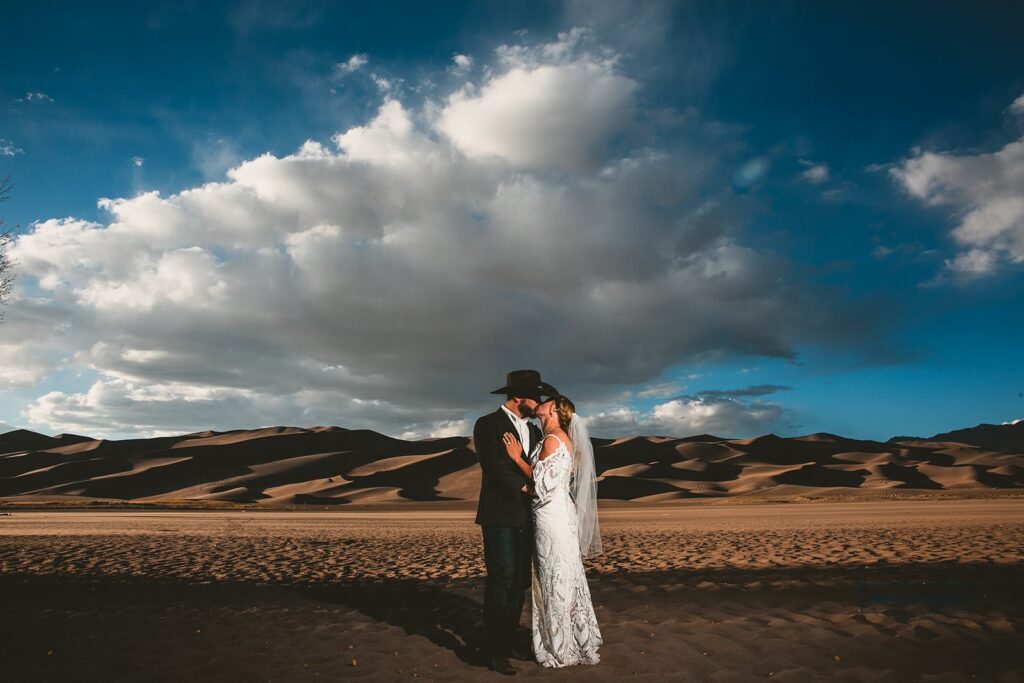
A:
[(537, 511)]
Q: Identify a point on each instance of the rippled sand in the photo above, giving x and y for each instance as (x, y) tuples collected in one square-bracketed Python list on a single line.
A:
[(856, 591)]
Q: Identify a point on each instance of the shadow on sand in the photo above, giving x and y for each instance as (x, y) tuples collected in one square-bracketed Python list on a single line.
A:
[(449, 614), (948, 616)]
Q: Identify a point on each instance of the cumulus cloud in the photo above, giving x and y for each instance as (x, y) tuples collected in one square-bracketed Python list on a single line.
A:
[(556, 106), (34, 344), (439, 430), (986, 193), (352, 64), (128, 406), (1017, 106), (723, 413), (814, 173), (23, 365), (391, 278), (460, 64)]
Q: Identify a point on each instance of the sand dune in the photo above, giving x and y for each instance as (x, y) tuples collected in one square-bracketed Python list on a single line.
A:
[(331, 466)]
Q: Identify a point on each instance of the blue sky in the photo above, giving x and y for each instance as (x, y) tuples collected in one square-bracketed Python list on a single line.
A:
[(724, 217)]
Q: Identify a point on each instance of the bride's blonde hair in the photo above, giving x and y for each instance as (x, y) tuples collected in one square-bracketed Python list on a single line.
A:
[(565, 409)]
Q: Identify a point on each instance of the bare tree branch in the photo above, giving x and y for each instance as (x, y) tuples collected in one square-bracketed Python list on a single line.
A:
[(6, 264)]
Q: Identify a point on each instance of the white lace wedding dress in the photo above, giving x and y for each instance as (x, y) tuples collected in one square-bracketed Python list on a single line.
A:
[(565, 628)]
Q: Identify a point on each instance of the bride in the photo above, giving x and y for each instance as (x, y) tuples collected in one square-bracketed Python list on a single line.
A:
[(562, 468)]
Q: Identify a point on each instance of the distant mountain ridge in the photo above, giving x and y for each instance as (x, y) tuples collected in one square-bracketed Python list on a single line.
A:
[(334, 466), (1007, 437)]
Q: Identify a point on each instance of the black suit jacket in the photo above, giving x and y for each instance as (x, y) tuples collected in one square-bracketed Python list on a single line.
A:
[(502, 501)]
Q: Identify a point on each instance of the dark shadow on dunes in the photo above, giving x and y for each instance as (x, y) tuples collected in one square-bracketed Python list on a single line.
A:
[(367, 444), (697, 470), (817, 475), (631, 451), (25, 440), (996, 480), (80, 471), (628, 488), (418, 480), (708, 452), (610, 455), (775, 450), (684, 471), (916, 455), (910, 476), (153, 480), (17, 464)]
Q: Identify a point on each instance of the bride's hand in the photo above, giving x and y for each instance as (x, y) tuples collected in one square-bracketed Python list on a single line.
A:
[(512, 446)]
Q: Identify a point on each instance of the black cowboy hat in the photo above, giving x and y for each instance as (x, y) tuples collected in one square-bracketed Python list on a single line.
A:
[(526, 383)]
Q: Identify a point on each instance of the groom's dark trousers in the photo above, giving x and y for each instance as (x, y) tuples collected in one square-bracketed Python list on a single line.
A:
[(503, 514), (507, 554)]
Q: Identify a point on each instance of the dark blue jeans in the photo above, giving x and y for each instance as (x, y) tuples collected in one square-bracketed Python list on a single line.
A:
[(508, 554)]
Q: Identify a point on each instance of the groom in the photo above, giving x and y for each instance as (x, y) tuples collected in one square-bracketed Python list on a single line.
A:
[(503, 513)]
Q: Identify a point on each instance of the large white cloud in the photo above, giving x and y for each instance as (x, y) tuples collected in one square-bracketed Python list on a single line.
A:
[(557, 105), (546, 117), (34, 342), (391, 280), (987, 193)]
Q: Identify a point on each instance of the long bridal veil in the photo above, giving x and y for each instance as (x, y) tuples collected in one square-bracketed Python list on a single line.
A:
[(584, 487)]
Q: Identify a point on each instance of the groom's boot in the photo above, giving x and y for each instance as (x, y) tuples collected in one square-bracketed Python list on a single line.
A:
[(501, 664), (521, 649), (520, 655), (522, 645)]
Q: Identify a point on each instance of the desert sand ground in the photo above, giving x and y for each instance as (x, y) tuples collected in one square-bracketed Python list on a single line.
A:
[(865, 591)]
